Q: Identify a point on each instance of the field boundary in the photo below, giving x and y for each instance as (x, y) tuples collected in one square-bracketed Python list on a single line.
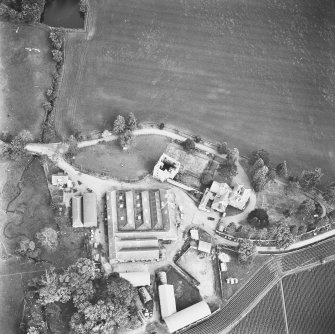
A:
[(283, 305)]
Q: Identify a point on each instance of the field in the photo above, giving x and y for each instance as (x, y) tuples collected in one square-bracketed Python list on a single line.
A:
[(25, 75), (256, 74), (110, 159), (185, 293), (310, 300), (267, 317), (11, 298)]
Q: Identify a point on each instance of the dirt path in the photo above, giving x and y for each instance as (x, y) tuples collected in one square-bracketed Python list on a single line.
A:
[(3, 86)]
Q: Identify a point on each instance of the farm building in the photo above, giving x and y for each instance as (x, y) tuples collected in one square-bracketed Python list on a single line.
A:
[(144, 295), (187, 316), (77, 211), (90, 209), (223, 266), (194, 234), (167, 300), (136, 221), (204, 246), (224, 257), (137, 278), (166, 168), (220, 195), (59, 180)]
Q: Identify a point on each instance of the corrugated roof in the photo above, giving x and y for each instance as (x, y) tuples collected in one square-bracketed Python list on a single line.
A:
[(112, 221), (137, 278), (77, 214), (146, 208), (204, 246), (167, 300), (90, 209), (130, 210), (187, 316), (137, 254)]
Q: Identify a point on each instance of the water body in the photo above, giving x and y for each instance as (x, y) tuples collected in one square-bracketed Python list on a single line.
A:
[(63, 13)]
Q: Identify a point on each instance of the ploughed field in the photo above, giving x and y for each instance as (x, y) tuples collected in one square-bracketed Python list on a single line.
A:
[(267, 317), (254, 73)]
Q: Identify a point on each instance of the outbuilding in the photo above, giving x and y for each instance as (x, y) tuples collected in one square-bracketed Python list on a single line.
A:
[(167, 300), (187, 316)]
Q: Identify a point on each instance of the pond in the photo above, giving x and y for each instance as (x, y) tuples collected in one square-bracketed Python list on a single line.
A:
[(63, 13)]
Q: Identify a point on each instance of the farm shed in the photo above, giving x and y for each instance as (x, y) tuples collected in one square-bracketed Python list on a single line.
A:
[(90, 210), (137, 278), (144, 295), (223, 266), (77, 211), (167, 300), (59, 180), (187, 316), (194, 234), (204, 246)]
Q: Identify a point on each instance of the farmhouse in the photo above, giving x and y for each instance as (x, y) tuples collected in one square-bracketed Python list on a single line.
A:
[(137, 220), (166, 168), (220, 195), (137, 278), (187, 316)]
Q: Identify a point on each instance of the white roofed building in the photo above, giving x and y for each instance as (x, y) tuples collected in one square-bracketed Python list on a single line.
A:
[(137, 278), (187, 316), (204, 246), (167, 300)]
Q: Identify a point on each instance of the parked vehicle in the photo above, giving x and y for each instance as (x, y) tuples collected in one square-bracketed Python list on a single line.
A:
[(210, 218)]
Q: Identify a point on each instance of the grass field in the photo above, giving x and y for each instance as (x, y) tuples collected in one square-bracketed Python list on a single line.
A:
[(11, 301), (109, 158), (256, 74), (267, 317), (310, 300), (24, 76)]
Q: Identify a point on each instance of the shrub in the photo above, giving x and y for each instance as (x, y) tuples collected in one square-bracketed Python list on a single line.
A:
[(222, 148), (246, 251), (206, 178), (131, 122), (57, 56), (281, 169), (197, 139), (119, 125), (310, 178), (260, 153), (47, 106), (57, 37), (188, 145), (228, 170), (161, 126), (283, 236), (258, 218), (83, 6), (306, 209), (126, 139), (48, 238)]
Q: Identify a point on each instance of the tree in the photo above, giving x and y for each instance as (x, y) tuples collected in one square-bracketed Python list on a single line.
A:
[(306, 209), (281, 169), (188, 145), (302, 229), (57, 37), (310, 178), (206, 178), (243, 231), (161, 126), (57, 56), (228, 170), (271, 175), (246, 250), (73, 146), (283, 237), (197, 139), (294, 230), (233, 155), (32, 10), (222, 148), (119, 125), (131, 122), (258, 218), (83, 6), (231, 228), (260, 153), (259, 163), (329, 194), (48, 238), (126, 139), (259, 179)]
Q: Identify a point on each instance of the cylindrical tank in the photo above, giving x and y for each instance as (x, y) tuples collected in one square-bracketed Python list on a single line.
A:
[(144, 295), (162, 277)]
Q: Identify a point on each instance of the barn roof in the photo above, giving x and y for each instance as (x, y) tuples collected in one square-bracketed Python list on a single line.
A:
[(167, 300), (137, 278), (90, 209)]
